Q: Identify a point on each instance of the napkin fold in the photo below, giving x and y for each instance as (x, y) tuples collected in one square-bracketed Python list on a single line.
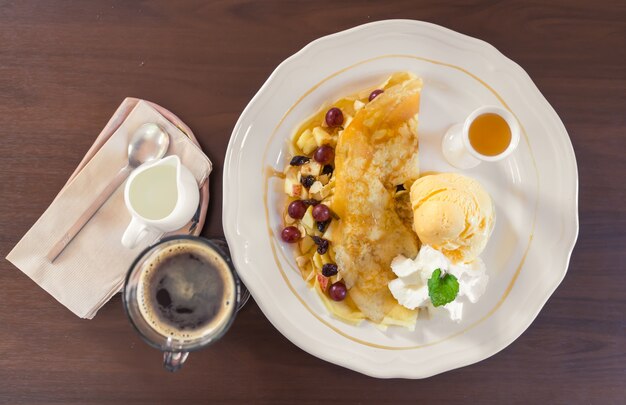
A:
[(92, 267)]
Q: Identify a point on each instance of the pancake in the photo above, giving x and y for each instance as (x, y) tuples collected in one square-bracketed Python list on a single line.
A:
[(376, 152)]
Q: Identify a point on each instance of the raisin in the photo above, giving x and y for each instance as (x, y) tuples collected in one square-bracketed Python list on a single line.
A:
[(400, 188), (307, 181), (327, 169), (322, 244), (299, 160), (375, 94), (329, 269), (311, 201), (322, 248), (321, 226)]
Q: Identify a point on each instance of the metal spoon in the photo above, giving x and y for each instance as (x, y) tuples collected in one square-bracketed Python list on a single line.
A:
[(148, 143)]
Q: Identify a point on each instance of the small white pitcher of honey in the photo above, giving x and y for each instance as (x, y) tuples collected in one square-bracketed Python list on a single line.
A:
[(488, 134)]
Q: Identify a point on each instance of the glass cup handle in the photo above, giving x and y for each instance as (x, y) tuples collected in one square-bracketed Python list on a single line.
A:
[(173, 361)]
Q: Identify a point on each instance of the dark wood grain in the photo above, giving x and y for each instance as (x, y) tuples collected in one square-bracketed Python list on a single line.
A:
[(66, 65)]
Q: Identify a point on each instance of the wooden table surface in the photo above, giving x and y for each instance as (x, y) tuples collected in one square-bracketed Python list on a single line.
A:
[(66, 65)]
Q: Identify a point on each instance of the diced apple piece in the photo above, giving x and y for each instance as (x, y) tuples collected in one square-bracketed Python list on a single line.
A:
[(302, 231), (323, 282), (322, 137), (317, 261), (322, 193), (293, 187), (307, 220), (347, 121), (328, 201), (302, 139), (325, 192), (316, 187), (306, 244), (301, 261), (310, 146), (358, 105), (328, 235), (306, 142), (331, 253), (292, 184), (312, 168)]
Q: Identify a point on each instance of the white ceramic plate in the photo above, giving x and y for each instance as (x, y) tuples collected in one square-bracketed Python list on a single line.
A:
[(535, 192)]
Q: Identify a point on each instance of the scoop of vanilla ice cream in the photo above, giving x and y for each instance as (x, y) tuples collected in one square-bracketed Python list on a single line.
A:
[(453, 214)]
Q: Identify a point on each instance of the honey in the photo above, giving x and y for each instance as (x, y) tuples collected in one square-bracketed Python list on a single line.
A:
[(489, 134)]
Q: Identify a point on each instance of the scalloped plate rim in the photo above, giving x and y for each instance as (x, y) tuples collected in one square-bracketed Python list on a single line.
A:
[(229, 213)]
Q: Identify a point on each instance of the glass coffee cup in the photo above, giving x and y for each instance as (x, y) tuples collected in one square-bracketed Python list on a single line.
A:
[(181, 295)]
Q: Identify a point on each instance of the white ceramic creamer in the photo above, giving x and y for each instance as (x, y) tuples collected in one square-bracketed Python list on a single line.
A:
[(161, 197)]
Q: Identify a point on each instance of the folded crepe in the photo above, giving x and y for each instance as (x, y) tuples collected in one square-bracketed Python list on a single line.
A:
[(376, 153)]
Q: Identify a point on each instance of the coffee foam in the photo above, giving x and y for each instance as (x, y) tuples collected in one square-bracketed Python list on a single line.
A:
[(148, 306)]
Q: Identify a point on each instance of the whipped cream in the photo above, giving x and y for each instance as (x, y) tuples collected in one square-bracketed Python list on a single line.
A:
[(411, 286)]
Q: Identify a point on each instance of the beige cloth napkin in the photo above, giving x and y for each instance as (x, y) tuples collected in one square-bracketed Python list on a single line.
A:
[(92, 267)]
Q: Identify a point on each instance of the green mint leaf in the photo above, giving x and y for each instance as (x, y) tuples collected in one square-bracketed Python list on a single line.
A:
[(442, 290)]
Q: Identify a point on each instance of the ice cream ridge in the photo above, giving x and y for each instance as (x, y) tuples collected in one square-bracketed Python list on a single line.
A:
[(453, 214)]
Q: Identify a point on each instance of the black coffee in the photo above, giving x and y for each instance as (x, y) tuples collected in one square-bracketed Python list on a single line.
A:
[(187, 291)]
